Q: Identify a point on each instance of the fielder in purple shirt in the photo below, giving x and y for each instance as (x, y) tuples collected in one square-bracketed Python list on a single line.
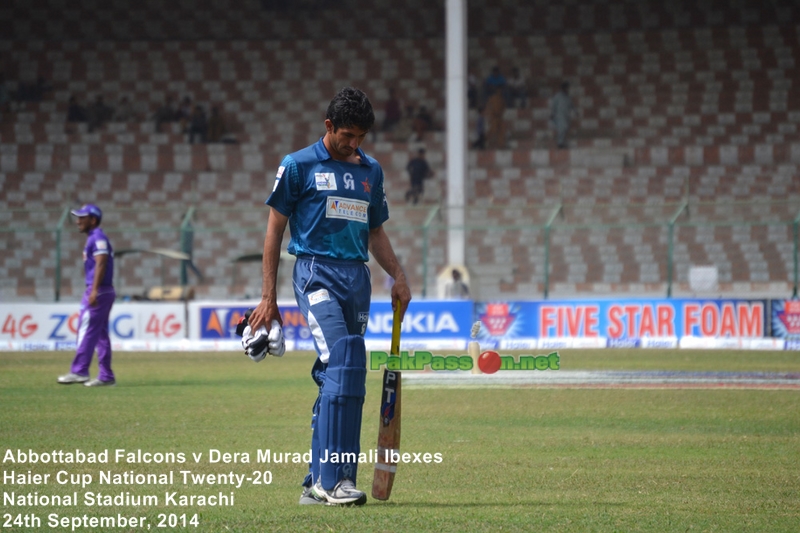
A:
[(98, 263)]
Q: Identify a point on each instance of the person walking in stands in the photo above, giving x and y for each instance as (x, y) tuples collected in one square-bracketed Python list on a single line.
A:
[(456, 289), (98, 264), (418, 171), (332, 196)]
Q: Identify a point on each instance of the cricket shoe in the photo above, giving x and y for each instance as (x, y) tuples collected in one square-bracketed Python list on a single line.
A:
[(69, 379), (344, 493), (100, 383), (309, 498)]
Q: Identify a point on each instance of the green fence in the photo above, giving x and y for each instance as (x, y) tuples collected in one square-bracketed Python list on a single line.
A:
[(513, 249)]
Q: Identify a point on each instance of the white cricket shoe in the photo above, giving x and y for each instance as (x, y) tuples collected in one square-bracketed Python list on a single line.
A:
[(99, 383), (344, 493), (69, 379)]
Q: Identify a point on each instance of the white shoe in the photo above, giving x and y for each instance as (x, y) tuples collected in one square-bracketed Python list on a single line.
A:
[(69, 379), (309, 498), (98, 383), (344, 493)]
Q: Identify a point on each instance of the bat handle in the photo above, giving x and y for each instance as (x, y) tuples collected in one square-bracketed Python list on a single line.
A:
[(396, 323), (475, 353)]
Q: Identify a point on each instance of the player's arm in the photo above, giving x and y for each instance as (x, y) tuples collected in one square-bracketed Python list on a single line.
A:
[(267, 309), (100, 262), (381, 249)]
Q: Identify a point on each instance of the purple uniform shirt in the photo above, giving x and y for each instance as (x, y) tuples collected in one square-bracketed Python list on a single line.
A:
[(98, 244)]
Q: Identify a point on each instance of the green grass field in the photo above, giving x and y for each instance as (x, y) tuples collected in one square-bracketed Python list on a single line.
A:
[(525, 459)]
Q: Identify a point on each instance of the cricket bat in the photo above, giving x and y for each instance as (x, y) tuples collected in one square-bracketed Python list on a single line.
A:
[(474, 347), (389, 428)]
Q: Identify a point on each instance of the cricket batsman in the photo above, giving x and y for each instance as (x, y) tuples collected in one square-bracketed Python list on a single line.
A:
[(332, 196)]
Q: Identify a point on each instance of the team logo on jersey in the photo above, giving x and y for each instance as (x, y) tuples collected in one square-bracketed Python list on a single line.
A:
[(101, 246), (347, 209), (366, 185), (326, 181)]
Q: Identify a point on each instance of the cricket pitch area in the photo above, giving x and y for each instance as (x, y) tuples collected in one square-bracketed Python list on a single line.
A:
[(616, 440)]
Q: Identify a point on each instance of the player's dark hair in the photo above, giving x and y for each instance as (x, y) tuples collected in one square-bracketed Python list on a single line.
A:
[(351, 107)]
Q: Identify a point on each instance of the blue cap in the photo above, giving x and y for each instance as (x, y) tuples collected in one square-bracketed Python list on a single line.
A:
[(88, 210)]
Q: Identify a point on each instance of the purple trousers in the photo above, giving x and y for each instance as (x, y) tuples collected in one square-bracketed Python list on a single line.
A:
[(93, 333)]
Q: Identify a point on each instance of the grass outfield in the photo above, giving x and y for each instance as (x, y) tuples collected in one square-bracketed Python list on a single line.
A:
[(526, 459)]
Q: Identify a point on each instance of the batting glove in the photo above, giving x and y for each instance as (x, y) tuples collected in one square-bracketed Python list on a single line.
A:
[(255, 344), (277, 344)]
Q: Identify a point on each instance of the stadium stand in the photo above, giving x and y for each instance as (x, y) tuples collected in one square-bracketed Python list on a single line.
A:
[(686, 109)]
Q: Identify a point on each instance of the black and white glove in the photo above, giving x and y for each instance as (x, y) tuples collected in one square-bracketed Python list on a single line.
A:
[(258, 343), (255, 344), (277, 344)]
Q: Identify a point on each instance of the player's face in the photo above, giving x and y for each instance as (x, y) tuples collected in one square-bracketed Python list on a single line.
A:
[(343, 142), (84, 224)]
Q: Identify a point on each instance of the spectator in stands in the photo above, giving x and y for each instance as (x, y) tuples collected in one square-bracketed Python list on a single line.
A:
[(5, 97), (98, 113), (456, 289), (517, 89), (75, 111), (185, 112), (418, 171), (198, 126), (33, 92), (166, 113), (473, 95), (494, 82), (561, 111), (480, 130), (216, 125), (124, 111), (495, 108), (422, 122), (393, 112)]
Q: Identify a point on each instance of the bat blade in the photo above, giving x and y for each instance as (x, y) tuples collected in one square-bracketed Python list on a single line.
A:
[(389, 427)]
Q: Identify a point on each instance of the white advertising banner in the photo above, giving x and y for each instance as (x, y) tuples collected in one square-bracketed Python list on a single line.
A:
[(54, 326)]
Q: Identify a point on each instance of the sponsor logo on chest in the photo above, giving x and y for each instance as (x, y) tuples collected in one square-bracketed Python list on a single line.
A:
[(326, 181), (347, 209)]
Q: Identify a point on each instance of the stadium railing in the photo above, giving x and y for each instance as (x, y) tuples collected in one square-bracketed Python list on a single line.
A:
[(532, 251)]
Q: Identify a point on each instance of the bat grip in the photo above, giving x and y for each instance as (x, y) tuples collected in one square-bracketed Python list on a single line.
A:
[(396, 323)]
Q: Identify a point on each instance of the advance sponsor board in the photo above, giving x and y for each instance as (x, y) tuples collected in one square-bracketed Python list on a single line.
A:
[(619, 323), (55, 326), (217, 321)]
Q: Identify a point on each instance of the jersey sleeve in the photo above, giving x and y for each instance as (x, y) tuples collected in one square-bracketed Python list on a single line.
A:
[(379, 208), (100, 246), (287, 188)]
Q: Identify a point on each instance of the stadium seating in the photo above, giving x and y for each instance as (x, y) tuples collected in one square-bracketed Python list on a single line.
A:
[(676, 103)]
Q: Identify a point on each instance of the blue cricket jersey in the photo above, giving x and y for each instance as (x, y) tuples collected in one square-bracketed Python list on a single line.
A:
[(331, 204)]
